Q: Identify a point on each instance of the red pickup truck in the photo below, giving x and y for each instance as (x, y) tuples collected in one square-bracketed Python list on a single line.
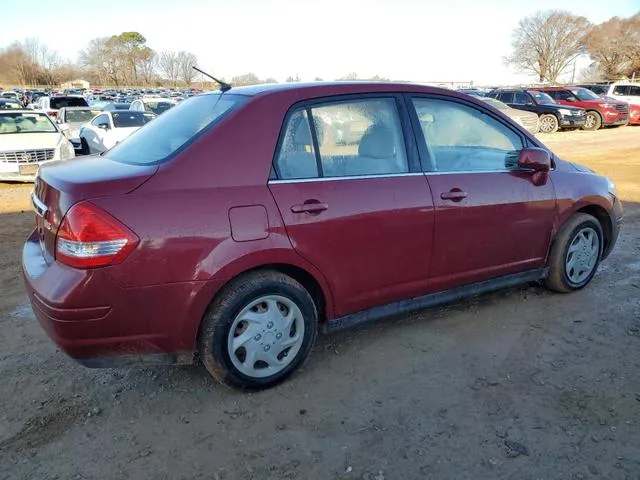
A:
[(601, 112)]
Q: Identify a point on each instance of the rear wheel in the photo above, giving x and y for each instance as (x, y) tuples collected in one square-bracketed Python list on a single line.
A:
[(575, 254), (548, 124), (258, 331), (593, 121)]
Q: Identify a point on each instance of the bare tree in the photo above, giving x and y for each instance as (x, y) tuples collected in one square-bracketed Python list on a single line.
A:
[(186, 62), (547, 42), (168, 62), (615, 46)]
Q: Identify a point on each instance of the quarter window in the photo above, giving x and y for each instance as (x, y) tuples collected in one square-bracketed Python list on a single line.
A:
[(353, 138), (462, 138), (297, 157)]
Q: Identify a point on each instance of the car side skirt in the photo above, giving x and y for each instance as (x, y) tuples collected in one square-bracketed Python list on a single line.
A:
[(433, 299)]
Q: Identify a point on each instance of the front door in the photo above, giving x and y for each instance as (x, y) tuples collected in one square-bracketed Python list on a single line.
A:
[(354, 201), (490, 219)]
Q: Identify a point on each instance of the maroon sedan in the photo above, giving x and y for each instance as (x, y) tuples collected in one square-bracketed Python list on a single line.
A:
[(237, 224)]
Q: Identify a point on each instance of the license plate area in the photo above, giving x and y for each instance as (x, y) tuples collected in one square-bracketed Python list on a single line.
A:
[(28, 169)]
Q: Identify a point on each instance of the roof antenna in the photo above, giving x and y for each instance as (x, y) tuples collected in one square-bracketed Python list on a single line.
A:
[(224, 86)]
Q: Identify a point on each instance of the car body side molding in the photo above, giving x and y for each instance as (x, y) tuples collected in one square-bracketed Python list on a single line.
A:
[(433, 299)]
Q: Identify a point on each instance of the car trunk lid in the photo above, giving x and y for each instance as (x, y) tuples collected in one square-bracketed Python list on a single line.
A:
[(60, 185)]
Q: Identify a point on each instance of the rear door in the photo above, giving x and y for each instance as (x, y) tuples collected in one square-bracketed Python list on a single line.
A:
[(490, 219), (355, 204)]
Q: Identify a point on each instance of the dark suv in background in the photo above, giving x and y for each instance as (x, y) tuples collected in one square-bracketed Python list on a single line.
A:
[(552, 115), (600, 112)]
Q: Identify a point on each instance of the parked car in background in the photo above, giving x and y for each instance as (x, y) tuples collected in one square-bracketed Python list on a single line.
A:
[(10, 104), (29, 139), (528, 120), (72, 119), (116, 106), (109, 128), (188, 238), (155, 105), (51, 105), (552, 115), (600, 112), (625, 91)]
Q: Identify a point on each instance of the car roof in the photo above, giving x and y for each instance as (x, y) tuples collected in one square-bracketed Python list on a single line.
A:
[(311, 89), (79, 108)]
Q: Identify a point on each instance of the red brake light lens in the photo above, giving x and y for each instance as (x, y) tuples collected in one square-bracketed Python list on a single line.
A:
[(89, 237)]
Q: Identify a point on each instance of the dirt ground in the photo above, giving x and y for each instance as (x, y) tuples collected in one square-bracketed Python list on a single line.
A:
[(521, 384)]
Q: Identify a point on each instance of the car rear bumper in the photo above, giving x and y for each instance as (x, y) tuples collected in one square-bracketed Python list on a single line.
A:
[(98, 323)]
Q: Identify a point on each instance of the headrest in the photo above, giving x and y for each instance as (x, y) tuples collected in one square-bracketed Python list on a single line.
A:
[(377, 142)]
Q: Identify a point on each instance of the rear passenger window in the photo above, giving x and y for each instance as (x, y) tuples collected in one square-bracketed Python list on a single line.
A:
[(506, 97), (360, 137)]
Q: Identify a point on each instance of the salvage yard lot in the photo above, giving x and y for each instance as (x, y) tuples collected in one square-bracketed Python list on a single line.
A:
[(519, 384)]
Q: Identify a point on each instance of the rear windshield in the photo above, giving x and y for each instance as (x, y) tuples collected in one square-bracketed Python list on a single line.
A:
[(81, 116), (60, 102), (127, 118), (160, 139), (158, 107)]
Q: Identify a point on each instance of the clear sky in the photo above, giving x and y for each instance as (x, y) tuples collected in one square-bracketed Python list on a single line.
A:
[(427, 40)]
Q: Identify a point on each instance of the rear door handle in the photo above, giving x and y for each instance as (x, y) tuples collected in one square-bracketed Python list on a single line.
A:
[(455, 195), (311, 207)]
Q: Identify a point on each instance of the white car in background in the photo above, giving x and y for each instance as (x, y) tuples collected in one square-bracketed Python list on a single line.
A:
[(110, 128), (625, 91), (156, 105), (27, 140), (72, 119)]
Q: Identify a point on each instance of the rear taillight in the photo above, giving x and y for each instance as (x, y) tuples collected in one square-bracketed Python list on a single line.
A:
[(53, 114), (89, 237)]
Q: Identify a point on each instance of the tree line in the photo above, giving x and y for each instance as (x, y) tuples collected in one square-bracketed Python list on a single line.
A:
[(548, 43), (118, 60)]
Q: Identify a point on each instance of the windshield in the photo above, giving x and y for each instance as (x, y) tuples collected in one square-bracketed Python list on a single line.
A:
[(158, 107), (125, 119), (6, 105), (163, 137), (584, 94), (22, 122), (81, 116), (60, 102), (542, 98)]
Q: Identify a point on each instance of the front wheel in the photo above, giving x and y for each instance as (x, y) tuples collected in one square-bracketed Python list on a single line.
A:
[(258, 331), (548, 123), (593, 121), (575, 254)]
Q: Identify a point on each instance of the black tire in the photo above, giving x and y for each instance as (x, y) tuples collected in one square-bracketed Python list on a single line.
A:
[(234, 297), (593, 121), (548, 123), (84, 147), (558, 278)]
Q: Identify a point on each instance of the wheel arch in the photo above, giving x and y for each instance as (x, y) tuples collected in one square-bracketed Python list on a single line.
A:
[(604, 219), (310, 279)]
